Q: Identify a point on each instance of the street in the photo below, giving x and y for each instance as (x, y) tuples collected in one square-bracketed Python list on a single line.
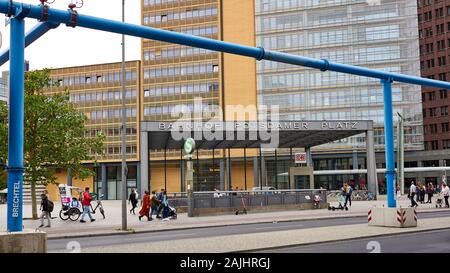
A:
[(171, 235), (420, 242)]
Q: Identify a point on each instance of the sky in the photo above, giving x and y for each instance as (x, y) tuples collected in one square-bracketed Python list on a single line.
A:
[(66, 46)]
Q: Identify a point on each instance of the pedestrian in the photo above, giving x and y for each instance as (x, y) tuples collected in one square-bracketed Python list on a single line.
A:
[(418, 191), (86, 202), (412, 193), (133, 200), (137, 196), (46, 208), (422, 194), (145, 209), (165, 203), (445, 192), (48, 197), (348, 194), (154, 205), (160, 197), (430, 192), (398, 191)]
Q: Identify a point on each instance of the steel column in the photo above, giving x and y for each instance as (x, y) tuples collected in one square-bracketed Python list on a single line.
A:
[(16, 121), (389, 139)]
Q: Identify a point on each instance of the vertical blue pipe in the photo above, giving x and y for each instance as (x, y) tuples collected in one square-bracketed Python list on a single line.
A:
[(389, 139), (16, 121)]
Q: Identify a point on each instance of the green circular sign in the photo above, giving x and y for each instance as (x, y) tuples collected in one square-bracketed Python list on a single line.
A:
[(189, 146)]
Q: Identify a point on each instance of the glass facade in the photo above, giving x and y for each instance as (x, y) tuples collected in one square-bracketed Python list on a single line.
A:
[(381, 37)]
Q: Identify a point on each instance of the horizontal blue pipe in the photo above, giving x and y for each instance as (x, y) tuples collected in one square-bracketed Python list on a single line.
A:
[(35, 33), (64, 16)]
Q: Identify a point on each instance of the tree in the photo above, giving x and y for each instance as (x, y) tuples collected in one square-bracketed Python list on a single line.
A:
[(54, 135)]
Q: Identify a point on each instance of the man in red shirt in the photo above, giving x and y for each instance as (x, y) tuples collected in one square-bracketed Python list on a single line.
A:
[(86, 202)]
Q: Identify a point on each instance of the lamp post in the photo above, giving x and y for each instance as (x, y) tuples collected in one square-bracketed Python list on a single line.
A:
[(400, 154), (124, 148)]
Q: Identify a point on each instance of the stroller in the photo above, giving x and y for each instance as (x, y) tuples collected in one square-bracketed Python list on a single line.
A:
[(341, 206), (439, 200), (172, 213)]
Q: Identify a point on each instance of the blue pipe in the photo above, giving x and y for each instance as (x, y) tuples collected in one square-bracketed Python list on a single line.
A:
[(61, 16), (389, 140), (35, 33), (16, 121)]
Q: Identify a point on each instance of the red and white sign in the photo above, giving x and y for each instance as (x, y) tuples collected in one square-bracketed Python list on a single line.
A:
[(300, 158)]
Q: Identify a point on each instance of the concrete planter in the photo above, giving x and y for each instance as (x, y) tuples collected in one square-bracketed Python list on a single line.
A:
[(392, 217), (27, 241)]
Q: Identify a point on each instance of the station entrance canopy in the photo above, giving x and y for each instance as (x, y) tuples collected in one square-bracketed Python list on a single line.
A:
[(231, 134)]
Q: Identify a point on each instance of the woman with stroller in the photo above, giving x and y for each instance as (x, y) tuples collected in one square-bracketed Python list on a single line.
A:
[(430, 192)]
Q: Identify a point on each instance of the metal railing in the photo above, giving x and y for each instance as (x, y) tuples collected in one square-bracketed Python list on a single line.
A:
[(235, 199)]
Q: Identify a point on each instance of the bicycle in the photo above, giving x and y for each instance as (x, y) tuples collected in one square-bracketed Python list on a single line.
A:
[(99, 205)]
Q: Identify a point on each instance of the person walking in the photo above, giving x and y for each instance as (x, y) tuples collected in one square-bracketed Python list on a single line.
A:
[(154, 205), (445, 192), (430, 192), (86, 202), (422, 194), (133, 200), (348, 194), (160, 197), (417, 192), (412, 193), (165, 203), (46, 208), (145, 210)]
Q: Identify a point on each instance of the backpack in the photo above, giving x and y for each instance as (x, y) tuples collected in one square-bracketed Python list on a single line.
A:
[(50, 206)]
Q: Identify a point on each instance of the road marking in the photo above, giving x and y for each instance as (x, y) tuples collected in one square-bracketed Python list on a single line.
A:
[(277, 227)]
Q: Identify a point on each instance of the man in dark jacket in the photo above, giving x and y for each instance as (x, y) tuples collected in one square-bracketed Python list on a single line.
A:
[(160, 197), (45, 210)]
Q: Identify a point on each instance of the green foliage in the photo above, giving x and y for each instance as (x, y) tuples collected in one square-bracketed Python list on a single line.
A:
[(54, 133)]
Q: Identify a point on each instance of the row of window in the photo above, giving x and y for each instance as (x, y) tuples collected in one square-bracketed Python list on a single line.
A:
[(428, 32), (171, 16), (435, 111), (181, 70), (293, 40), (104, 95), (181, 89), (95, 78), (369, 54), (112, 113), (434, 145), (433, 128), (174, 53), (332, 98), (431, 96), (428, 15), (176, 109), (117, 150), (113, 132)]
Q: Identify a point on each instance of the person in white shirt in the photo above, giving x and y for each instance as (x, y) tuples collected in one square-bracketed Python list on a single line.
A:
[(412, 192), (445, 192)]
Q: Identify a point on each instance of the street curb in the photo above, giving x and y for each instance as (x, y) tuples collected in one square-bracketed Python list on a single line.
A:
[(342, 240), (110, 233)]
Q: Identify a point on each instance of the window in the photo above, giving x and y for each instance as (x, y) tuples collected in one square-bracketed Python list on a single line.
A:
[(444, 111), (215, 68), (443, 94)]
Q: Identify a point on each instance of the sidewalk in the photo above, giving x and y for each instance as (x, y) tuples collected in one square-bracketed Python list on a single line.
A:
[(112, 223)]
